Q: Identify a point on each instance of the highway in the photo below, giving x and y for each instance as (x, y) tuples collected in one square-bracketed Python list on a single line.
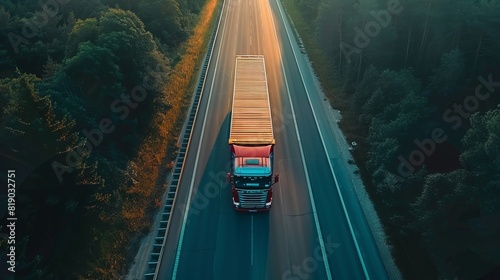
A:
[(315, 229)]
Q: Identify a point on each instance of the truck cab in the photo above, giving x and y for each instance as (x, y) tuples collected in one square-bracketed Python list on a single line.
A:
[(252, 177)]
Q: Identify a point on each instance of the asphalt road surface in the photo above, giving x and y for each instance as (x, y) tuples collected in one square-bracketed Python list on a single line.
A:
[(315, 229)]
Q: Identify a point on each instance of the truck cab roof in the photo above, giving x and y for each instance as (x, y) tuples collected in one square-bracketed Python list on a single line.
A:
[(252, 160)]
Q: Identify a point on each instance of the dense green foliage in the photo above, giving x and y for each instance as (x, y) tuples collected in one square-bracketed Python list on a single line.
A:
[(418, 83), (82, 93)]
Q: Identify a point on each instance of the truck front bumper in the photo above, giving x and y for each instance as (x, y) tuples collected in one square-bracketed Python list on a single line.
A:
[(237, 207)]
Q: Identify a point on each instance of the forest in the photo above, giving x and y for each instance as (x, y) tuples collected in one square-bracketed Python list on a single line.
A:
[(418, 82), (92, 95), (91, 101)]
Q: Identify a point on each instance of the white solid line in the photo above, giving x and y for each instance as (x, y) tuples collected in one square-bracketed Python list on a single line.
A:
[(251, 241), (311, 198), (326, 152), (183, 228), (284, 222)]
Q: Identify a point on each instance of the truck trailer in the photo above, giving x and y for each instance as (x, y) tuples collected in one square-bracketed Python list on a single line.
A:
[(251, 138)]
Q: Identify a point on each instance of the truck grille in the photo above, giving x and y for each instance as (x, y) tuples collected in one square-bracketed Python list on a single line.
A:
[(252, 198)]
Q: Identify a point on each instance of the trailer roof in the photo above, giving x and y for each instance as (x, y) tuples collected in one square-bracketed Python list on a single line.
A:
[(251, 122)]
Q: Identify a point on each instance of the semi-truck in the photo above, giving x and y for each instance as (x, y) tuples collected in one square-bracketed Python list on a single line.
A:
[(251, 137)]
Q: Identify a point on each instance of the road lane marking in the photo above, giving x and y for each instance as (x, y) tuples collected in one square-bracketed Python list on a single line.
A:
[(311, 198), (251, 241), (183, 228), (324, 147)]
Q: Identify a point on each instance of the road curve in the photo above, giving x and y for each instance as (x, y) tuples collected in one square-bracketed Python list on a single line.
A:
[(308, 223)]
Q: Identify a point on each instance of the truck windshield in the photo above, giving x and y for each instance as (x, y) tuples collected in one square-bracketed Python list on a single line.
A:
[(252, 166)]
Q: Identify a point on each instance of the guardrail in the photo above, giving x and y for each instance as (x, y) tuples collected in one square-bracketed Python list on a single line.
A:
[(161, 234)]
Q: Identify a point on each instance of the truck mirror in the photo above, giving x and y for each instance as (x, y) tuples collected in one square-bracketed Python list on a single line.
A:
[(276, 178), (228, 177)]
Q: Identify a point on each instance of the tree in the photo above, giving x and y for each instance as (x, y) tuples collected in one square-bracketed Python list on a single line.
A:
[(115, 54), (442, 203), (388, 88), (83, 31), (482, 157), (86, 9), (50, 68), (330, 23), (482, 34), (96, 70), (164, 19), (448, 78), (309, 8), (31, 117), (53, 175), (329, 29), (365, 89)]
